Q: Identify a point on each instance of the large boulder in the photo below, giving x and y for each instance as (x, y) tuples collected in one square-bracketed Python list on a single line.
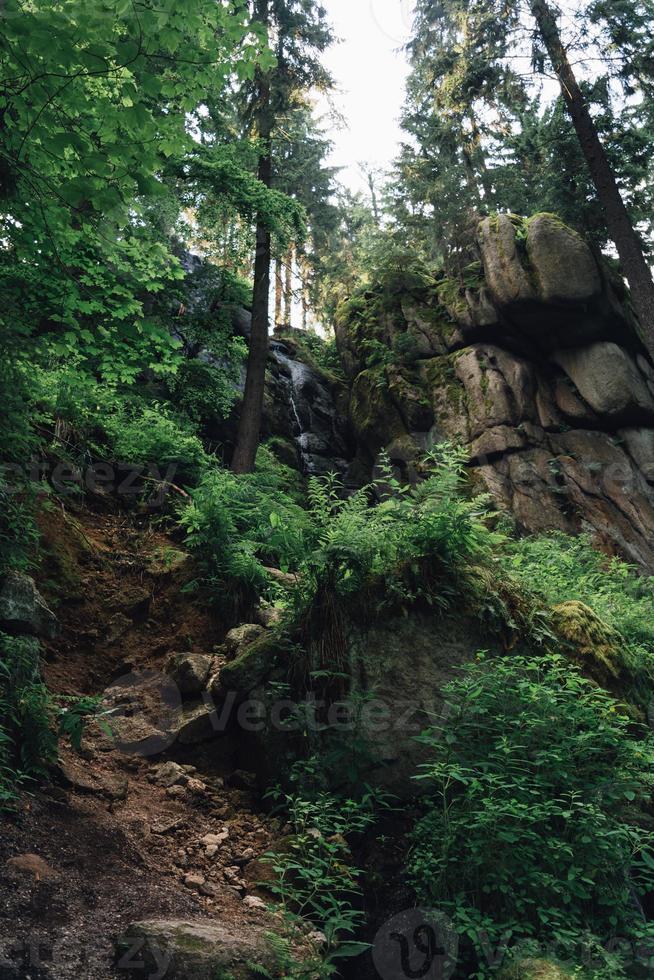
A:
[(507, 280), (500, 388), (564, 268), (401, 697), (23, 609), (609, 380), (199, 950)]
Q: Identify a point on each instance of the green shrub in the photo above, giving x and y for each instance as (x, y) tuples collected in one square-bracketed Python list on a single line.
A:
[(205, 393), (237, 524), (314, 875), (143, 435), (27, 742), (530, 828), (563, 569)]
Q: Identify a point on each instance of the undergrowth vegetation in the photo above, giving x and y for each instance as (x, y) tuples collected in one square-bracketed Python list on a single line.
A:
[(31, 720), (531, 825)]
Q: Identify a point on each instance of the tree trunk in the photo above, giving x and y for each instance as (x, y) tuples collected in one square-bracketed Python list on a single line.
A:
[(249, 426), (634, 264)]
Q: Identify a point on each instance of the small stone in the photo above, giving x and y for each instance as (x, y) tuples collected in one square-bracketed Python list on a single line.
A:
[(170, 774), (215, 839), (196, 786), (252, 902), (209, 889), (211, 850), (240, 638), (194, 881), (176, 792)]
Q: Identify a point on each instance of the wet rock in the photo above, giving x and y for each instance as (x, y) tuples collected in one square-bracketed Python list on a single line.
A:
[(23, 610), (190, 672)]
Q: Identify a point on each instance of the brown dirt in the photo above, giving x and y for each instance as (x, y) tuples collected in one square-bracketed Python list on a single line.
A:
[(116, 585)]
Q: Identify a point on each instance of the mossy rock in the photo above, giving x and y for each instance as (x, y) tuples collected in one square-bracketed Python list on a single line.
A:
[(532, 969), (599, 650), (411, 399), (252, 667), (375, 417)]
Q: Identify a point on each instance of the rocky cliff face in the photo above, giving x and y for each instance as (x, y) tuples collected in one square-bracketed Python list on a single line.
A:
[(532, 361)]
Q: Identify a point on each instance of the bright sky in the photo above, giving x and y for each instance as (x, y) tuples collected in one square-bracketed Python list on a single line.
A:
[(370, 70)]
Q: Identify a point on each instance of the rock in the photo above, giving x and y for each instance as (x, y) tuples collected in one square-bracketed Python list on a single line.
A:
[(248, 670), (608, 379), (243, 780), (194, 723), (215, 840), (118, 625), (640, 445), (288, 580), (194, 881), (240, 638), (269, 616), (86, 779), (202, 950), (168, 774), (190, 672), (176, 792), (135, 602), (209, 889), (252, 902), (23, 609), (505, 276), (375, 417), (596, 647), (564, 267), (500, 388), (33, 866), (196, 786), (534, 969)]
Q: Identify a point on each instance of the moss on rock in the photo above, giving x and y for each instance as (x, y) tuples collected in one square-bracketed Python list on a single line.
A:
[(533, 969)]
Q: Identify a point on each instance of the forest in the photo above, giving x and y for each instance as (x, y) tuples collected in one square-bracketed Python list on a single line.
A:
[(326, 508)]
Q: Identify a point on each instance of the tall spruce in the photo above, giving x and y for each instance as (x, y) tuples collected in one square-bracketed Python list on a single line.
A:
[(298, 33)]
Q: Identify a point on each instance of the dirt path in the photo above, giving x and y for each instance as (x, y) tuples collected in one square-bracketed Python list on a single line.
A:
[(119, 841)]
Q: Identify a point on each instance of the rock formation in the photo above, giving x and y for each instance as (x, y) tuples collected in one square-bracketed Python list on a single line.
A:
[(532, 362)]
